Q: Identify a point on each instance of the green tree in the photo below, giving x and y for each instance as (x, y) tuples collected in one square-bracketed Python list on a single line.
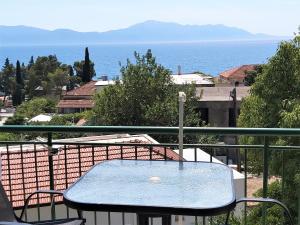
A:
[(56, 81), (7, 78), (18, 94), (19, 77), (15, 120), (72, 80), (85, 68), (274, 212), (38, 73), (252, 74), (9, 137), (146, 96), (31, 62), (274, 102), (36, 106)]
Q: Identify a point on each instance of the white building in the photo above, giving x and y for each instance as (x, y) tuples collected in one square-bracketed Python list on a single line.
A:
[(199, 80)]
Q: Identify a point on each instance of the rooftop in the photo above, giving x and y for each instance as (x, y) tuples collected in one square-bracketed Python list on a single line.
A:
[(193, 78), (221, 93), (105, 82), (86, 89), (41, 118), (237, 72), (76, 103), (31, 163)]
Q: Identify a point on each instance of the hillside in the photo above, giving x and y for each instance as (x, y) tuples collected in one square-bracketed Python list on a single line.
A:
[(149, 31)]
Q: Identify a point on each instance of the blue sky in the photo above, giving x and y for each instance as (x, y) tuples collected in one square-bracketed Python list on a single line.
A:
[(278, 17)]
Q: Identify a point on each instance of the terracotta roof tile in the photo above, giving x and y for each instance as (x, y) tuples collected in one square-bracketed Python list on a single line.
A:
[(86, 89), (237, 72), (76, 103), (33, 174)]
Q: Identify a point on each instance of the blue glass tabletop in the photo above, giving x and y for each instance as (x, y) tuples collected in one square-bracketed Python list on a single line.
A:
[(196, 188)]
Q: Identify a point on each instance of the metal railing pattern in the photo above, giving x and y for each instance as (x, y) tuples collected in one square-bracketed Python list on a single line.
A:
[(57, 168)]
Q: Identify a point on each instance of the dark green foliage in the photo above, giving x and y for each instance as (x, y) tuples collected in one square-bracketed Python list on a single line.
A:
[(85, 69), (274, 212), (72, 79), (9, 137), (18, 95), (15, 120), (35, 107), (38, 74), (45, 76), (252, 74), (274, 102), (66, 119), (19, 77), (146, 97), (31, 62), (7, 78)]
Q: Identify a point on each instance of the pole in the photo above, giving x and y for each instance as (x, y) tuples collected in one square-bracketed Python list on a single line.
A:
[(235, 115), (265, 176), (182, 99)]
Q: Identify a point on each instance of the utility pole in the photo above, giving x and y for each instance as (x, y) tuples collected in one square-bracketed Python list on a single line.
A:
[(235, 114)]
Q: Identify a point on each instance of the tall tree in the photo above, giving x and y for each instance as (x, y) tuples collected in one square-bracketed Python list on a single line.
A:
[(78, 68), (19, 87), (72, 80), (6, 78), (274, 102), (31, 62), (86, 70), (19, 76)]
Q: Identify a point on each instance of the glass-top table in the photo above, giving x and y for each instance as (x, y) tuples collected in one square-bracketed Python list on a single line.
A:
[(157, 187)]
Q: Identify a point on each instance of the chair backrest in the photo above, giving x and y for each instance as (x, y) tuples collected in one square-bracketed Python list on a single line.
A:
[(6, 209)]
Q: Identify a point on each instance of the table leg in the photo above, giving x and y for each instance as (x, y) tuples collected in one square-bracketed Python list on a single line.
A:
[(166, 220), (143, 219)]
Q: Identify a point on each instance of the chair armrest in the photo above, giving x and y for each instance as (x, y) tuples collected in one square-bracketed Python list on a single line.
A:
[(269, 200), (50, 192)]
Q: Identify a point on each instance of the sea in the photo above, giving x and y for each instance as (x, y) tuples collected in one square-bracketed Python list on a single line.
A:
[(210, 57)]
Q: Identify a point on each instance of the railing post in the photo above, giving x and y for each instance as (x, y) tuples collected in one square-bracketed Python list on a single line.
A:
[(182, 99), (51, 172), (298, 219), (265, 175), (245, 184)]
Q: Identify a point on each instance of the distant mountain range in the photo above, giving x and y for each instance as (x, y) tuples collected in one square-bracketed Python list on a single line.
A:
[(146, 32)]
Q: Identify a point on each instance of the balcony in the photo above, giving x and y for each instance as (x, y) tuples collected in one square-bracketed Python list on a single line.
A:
[(53, 162)]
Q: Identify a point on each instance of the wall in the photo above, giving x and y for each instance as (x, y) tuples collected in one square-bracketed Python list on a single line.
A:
[(218, 112)]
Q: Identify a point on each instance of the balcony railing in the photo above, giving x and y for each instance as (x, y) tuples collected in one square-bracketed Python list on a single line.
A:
[(48, 164)]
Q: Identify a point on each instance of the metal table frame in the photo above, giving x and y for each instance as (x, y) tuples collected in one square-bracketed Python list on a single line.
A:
[(145, 212)]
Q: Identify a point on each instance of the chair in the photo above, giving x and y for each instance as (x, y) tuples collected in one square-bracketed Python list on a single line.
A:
[(263, 200), (8, 217), (269, 200)]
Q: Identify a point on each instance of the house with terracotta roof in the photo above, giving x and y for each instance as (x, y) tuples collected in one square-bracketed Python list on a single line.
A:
[(236, 74), (78, 100)]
